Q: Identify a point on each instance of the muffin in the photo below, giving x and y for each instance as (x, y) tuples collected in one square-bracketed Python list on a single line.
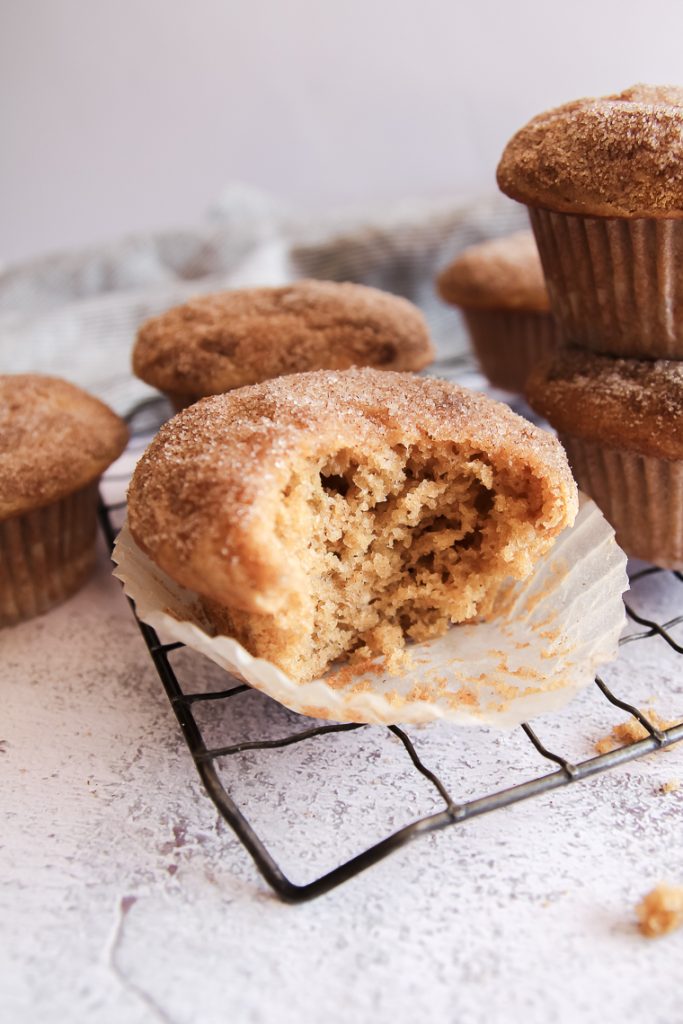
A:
[(603, 180), (55, 442), (333, 513), (215, 343), (500, 289), (621, 423)]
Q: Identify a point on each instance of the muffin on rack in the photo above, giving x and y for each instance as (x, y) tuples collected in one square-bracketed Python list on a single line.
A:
[(333, 513), (215, 343), (603, 181), (500, 289), (621, 423), (55, 442)]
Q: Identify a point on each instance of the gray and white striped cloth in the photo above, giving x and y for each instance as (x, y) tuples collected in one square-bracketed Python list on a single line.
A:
[(75, 314)]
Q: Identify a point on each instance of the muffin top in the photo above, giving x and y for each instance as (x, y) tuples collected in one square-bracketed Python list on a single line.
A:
[(615, 156), (622, 403), (206, 493), (503, 273), (54, 439), (215, 343)]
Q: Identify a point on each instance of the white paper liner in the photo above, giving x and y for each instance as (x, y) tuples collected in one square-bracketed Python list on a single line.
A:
[(549, 635)]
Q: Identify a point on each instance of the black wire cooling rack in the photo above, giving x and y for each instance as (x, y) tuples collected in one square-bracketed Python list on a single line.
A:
[(211, 762)]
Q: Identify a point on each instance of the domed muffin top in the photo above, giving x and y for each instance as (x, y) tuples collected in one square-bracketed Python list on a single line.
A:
[(623, 403), (54, 439), (614, 156), (502, 273), (207, 492), (218, 342)]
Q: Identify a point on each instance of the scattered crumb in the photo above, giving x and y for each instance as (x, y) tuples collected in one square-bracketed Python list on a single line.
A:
[(313, 711), (350, 673), (630, 731), (398, 661), (670, 786), (661, 911)]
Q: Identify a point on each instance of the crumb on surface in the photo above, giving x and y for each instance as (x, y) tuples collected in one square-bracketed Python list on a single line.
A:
[(670, 786), (631, 731), (661, 910)]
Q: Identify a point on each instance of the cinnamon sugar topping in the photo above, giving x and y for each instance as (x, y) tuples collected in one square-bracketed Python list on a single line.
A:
[(621, 402), (615, 156), (54, 439), (341, 513), (214, 343)]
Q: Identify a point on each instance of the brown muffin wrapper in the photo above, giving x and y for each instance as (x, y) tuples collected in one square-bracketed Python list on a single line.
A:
[(641, 496), (615, 285), (509, 343), (46, 555)]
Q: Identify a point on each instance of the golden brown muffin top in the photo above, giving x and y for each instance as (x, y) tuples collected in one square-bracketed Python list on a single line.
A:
[(503, 273), (205, 495), (622, 403), (615, 156), (54, 439), (215, 343)]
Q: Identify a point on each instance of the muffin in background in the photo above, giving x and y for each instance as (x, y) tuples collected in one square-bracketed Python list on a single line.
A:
[(215, 343), (55, 442), (621, 424), (499, 287), (603, 181)]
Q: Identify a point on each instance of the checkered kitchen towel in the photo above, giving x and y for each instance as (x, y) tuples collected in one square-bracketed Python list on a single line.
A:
[(75, 314)]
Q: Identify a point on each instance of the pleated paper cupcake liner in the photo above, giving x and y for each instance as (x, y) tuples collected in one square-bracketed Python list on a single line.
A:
[(510, 343), (46, 554), (615, 285), (642, 497), (548, 636)]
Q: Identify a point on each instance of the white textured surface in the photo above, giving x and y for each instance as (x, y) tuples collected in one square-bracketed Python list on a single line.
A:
[(124, 898)]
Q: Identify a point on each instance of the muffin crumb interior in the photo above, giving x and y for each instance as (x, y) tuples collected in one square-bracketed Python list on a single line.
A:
[(387, 548)]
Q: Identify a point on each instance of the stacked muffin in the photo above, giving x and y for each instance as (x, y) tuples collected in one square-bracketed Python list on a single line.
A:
[(603, 181)]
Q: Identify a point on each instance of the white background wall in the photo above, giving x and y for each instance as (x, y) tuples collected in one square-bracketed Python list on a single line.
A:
[(122, 115)]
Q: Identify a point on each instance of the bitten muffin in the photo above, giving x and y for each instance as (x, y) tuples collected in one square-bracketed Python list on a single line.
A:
[(335, 512), (55, 442), (500, 288), (621, 423), (603, 180), (215, 343)]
